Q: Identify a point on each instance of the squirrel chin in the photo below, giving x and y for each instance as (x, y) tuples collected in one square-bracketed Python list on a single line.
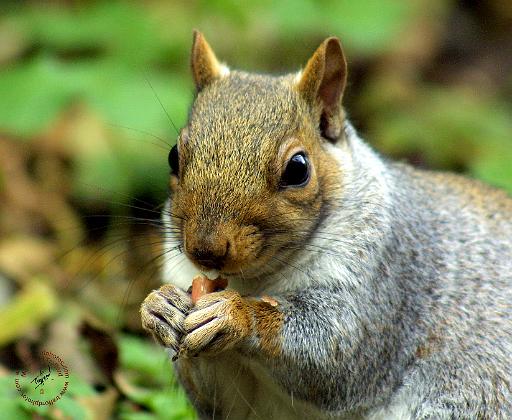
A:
[(180, 274)]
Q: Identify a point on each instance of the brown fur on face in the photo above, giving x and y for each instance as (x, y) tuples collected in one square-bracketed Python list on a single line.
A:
[(242, 131)]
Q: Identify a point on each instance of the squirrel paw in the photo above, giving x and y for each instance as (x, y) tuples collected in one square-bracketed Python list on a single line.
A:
[(163, 313), (218, 321)]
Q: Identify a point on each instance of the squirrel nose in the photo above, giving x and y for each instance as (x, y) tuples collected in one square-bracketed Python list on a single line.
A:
[(211, 256)]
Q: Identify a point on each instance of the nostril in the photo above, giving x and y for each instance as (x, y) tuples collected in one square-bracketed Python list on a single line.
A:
[(209, 258), (211, 251), (228, 244)]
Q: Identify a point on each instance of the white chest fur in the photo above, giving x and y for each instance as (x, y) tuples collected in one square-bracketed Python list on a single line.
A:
[(243, 389)]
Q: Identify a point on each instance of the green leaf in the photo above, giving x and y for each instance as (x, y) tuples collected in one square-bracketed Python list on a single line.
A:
[(171, 403), (366, 26), (369, 26), (450, 128), (78, 387), (32, 306), (126, 415), (12, 409), (145, 357), (70, 407), (33, 95), (11, 400), (494, 166), (120, 29), (131, 98), (149, 364)]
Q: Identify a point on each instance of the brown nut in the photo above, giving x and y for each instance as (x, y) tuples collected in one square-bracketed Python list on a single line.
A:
[(202, 285)]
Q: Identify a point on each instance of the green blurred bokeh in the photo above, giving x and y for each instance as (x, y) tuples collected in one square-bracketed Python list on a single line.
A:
[(113, 58)]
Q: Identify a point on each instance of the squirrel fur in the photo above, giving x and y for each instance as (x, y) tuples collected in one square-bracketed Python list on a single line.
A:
[(390, 286)]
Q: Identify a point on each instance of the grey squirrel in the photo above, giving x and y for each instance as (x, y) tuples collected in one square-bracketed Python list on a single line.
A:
[(358, 287)]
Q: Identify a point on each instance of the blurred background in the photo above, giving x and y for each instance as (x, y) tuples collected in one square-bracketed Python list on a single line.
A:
[(88, 90)]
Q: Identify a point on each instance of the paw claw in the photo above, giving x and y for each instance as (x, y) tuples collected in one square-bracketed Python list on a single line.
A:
[(163, 313), (217, 322)]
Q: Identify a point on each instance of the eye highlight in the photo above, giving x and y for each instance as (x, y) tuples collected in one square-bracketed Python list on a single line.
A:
[(296, 173), (173, 159)]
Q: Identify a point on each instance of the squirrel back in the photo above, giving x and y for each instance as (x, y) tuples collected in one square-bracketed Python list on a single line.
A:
[(390, 287)]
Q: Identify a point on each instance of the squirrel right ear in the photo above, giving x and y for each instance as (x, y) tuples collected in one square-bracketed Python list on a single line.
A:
[(322, 84), (205, 66)]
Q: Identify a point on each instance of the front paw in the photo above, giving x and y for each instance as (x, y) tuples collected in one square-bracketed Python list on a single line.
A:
[(218, 322), (163, 313)]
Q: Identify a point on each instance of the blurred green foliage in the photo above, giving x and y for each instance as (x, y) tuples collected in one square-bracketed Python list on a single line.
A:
[(155, 388), (152, 386), (115, 58)]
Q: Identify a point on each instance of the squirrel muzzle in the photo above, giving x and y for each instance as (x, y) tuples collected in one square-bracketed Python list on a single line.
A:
[(221, 246)]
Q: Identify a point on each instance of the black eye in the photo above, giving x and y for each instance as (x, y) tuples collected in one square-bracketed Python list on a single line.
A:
[(174, 160), (296, 172)]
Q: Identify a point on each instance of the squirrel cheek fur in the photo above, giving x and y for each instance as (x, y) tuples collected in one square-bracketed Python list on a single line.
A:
[(262, 226), (375, 291)]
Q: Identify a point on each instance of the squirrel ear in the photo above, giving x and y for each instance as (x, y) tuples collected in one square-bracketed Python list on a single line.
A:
[(205, 66), (322, 84)]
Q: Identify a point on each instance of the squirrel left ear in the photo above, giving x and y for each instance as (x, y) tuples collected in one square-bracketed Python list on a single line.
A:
[(322, 84), (205, 66)]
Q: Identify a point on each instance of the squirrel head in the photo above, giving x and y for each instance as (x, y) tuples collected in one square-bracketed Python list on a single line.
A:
[(252, 172)]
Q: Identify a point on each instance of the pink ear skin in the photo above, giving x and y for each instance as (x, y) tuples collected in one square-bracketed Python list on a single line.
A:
[(322, 84)]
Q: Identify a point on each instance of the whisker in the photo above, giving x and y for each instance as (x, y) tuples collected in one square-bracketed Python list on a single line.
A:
[(290, 265), (131, 283), (161, 104), (147, 133)]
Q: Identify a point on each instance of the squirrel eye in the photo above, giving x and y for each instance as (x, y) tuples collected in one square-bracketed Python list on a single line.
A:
[(297, 171), (174, 160)]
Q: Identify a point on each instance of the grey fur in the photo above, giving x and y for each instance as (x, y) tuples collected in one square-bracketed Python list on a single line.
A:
[(408, 316)]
